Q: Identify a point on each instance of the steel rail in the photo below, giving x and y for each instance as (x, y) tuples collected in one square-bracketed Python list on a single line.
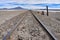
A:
[(7, 36), (44, 26)]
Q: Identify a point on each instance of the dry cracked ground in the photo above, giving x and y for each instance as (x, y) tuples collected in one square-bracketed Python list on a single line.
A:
[(29, 29)]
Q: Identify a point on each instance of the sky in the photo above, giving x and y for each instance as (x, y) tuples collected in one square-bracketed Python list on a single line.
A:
[(31, 1), (29, 4)]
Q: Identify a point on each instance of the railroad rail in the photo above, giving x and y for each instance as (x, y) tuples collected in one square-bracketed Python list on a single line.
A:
[(44, 26), (7, 36)]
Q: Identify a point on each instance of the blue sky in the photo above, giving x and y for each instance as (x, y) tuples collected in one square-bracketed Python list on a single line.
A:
[(30, 4)]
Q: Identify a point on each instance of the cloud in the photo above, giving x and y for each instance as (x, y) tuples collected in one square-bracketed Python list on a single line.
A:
[(36, 1), (31, 1), (32, 7), (28, 3)]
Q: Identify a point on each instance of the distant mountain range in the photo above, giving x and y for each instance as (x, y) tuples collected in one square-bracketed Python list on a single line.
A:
[(20, 8), (16, 8)]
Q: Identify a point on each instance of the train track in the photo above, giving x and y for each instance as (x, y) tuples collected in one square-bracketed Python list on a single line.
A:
[(13, 28), (9, 32), (50, 24), (30, 28), (44, 26)]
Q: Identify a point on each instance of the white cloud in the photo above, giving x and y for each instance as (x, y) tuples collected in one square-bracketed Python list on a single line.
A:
[(37, 1), (32, 7), (8, 6), (27, 2), (36, 7), (32, 1)]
